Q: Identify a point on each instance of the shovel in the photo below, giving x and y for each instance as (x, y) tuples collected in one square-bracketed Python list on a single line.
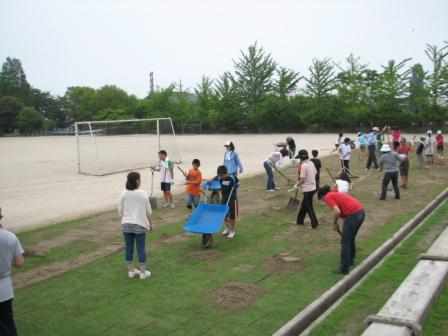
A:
[(152, 199), (293, 203), (288, 180)]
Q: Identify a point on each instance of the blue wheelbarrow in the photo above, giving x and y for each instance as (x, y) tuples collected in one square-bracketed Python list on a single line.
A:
[(207, 219)]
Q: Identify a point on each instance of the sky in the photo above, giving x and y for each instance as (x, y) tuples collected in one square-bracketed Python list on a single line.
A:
[(64, 43)]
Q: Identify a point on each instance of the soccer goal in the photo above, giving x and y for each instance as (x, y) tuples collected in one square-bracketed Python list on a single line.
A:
[(115, 146), (192, 129)]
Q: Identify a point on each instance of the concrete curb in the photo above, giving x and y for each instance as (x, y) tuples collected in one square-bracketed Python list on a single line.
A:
[(305, 317)]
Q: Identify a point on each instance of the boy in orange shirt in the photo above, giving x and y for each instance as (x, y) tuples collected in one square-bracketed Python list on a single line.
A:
[(194, 180)]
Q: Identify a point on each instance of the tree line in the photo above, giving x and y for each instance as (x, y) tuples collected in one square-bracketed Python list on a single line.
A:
[(257, 95)]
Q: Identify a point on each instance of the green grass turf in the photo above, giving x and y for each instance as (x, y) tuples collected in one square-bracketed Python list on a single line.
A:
[(99, 299), (368, 299)]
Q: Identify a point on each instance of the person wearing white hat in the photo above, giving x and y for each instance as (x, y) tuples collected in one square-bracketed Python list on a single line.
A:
[(371, 147), (439, 142), (232, 160), (389, 163)]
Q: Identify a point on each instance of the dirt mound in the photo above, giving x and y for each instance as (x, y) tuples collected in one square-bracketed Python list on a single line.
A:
[(235, 296), (205, 255), (281, 262)]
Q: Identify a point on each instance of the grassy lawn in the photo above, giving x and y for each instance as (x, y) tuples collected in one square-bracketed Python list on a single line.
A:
[(239, 287), (368, 299)]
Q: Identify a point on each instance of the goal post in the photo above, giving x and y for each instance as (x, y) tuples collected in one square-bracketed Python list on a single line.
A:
[(116, 146)]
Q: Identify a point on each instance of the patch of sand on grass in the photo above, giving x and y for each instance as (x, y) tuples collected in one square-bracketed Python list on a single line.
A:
[(34, 276), (205, 255), (235, 296), (282, 263)]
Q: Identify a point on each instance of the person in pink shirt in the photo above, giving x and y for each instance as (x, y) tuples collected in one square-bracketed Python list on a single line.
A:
[(307, 181), (439, 143)]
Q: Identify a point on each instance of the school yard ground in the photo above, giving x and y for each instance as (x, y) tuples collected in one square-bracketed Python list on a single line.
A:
[(76, 282)]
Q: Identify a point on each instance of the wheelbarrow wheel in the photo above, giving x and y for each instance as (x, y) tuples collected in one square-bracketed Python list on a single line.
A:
[(207, 240)]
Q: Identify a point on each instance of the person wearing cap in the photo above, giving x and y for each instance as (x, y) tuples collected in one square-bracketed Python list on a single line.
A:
[(275, 159), (232, 160), (352, 212), (439, 142), (389, 163), (371, 148), (307, 181), (429, 149), (362, 139)]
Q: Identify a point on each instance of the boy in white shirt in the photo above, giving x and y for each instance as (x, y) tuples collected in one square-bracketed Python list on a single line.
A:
[(344, 152), (166, 170)]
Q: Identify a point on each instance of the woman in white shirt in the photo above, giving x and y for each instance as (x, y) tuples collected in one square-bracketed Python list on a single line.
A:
[(135, 212), (275, 159)]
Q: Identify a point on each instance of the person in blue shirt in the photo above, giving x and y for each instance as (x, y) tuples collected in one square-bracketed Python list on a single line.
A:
[(371, 147), (362, 139), (232, 160)]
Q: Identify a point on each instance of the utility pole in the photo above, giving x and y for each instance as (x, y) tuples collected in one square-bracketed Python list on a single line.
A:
[(151, 82)]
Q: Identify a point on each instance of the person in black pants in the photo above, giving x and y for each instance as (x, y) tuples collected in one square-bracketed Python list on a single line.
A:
[(307, 180), (389, 163), (371, 147), (352, 211)]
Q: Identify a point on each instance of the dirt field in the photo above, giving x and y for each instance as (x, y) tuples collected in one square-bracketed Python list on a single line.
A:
[(40, 184)]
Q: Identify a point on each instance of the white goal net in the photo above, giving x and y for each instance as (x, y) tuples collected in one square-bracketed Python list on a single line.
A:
[(109, 147)]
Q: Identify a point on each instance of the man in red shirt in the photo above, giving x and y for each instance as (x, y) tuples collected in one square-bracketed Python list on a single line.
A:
[(352, 212)]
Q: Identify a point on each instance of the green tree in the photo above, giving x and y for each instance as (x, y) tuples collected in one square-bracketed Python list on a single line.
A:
[(206, 100), (29, 120), (322, 80), (286, 81), (393, 88), (112, 97), (229, 115), (438, 80), (80, 103), (254, 73), (13, 80), (10, 108), (49, 106), (418, 93)]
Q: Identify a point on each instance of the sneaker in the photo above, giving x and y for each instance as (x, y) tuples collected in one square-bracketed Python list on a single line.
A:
[(132, 274), (172, 205), (225, 232), (231, 234), (339, 271), (166, 205), (145, 275), (270, 190)]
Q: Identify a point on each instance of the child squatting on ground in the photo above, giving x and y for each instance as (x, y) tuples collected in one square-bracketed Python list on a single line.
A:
[(166, 169), (135, 212), (229, 184), (194, 180)]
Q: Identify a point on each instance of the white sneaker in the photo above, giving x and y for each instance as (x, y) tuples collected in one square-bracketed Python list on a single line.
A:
[(172, 205), (145, 275), (231, 234), (132, 274), (225, 232), (166, 205), (270, 190)]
